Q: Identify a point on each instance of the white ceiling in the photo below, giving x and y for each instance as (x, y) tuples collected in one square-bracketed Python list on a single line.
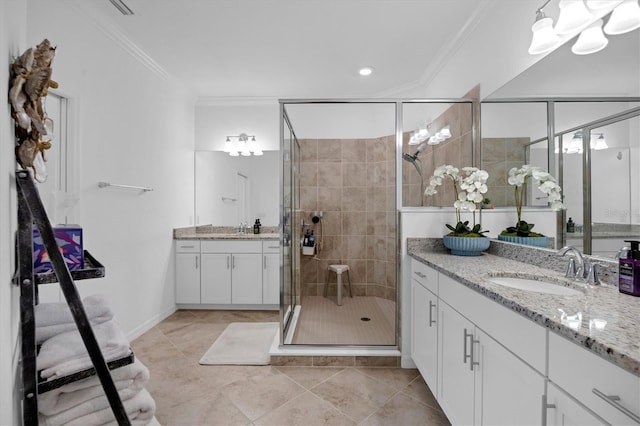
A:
[(294, 48)]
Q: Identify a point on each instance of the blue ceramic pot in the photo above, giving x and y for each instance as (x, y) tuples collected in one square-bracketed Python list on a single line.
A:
[(527, 241), (466, 246)]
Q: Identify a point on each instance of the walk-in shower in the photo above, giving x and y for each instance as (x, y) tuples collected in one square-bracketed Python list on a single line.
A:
[(352, 160)]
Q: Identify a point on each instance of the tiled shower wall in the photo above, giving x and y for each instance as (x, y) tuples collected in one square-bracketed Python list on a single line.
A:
[(352, 182), (499, 155), (456, 151)]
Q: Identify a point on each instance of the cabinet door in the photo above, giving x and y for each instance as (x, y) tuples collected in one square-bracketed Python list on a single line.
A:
[(508, 391), (424, 333), (271, 278), (216, 278), (187, 278), (564, 411), (456, 373), (246, 282)]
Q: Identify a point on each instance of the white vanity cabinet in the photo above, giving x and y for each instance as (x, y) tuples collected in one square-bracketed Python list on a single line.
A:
[(232, 272), (227, 274), (271, 272), (601, 388), (562, 410), (188, 264), (424, 321), (488, 370)]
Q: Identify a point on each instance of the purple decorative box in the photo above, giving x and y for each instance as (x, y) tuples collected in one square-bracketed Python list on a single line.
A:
[(69, 239)]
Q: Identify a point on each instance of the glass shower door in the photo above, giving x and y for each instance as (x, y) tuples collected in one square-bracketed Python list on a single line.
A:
[(290, 188)]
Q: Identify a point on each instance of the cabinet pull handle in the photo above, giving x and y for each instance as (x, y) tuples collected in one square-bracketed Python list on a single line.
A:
[(473, 357), (228, 262), (469, 355), (196, 262), (420, 274), (233, 262), (431, 320), (274, 247), (613, 400), (187, 246), (545, 406), (264, 262), (465, 356)]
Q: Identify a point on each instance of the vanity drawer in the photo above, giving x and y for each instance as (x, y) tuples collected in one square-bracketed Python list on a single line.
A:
[(589, 379), (426, 276), (270, 246), (187, 246), (231, 246)]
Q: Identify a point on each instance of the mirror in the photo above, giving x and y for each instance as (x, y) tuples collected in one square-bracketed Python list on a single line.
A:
[(610, 73), (230, 190)]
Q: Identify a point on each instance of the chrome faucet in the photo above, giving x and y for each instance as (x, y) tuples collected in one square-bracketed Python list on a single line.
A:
[(579, 267), (573, 270)]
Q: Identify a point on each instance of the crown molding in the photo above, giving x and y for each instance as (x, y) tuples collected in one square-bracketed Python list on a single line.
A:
[(454, 45), (115, 33)]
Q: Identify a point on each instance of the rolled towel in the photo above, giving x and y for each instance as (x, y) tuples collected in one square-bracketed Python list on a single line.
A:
[(56, 318), (129, 380), (65, 353), (140, 409)]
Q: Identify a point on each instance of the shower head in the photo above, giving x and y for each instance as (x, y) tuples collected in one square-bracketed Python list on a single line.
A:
[(413, 157), (408, 157)]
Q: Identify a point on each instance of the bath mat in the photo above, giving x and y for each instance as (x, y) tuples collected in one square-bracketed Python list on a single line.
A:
[(242, 343)]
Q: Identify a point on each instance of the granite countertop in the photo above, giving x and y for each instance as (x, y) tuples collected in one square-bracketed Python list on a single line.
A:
[(209, 232), (609, 325)]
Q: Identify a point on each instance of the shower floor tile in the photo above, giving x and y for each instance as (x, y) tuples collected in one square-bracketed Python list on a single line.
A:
[(359, 321)]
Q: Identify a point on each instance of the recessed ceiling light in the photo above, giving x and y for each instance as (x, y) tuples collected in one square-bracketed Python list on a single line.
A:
[(366, 71)]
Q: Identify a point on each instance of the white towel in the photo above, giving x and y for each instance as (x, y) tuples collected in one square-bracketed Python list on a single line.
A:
[(140, 409), (129, 380), (65, 353), (56, 318)]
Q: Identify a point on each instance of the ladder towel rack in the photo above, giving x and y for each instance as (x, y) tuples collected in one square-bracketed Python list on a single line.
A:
[(31, 211)]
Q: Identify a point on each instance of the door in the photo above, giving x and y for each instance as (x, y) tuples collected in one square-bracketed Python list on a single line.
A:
[(424, 333), (216, 278), (508, 391), (271, 279), (246, 278), (456, 375), (187, 278), (562, 410), (290, 202)]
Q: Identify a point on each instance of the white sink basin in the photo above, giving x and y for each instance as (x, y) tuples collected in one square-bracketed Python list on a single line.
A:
[(535, 285)]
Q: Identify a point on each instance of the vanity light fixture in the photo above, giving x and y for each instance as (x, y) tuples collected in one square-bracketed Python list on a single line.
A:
[(599, 143), (544, 38), (423, 134), (586, 17), (243, 144), (574, 15), (575, 145), (365, 71), (590, 40), (624, 18)]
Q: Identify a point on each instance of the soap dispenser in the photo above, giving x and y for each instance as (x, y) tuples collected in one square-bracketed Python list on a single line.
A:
[(629, 270), (571, 225)]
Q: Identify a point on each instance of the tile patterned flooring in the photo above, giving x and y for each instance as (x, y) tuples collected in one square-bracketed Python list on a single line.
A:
[(187, 393)]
